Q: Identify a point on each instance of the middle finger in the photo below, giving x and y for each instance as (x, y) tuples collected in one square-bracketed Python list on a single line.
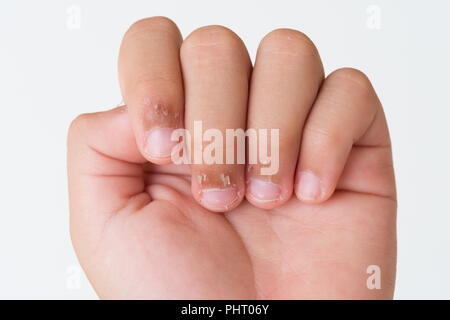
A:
[(216, 70)]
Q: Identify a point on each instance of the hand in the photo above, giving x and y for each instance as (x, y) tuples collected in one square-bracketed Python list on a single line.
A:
[(143, 228)]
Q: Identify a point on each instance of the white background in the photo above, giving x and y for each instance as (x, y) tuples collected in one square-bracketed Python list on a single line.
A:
[(50, 71)]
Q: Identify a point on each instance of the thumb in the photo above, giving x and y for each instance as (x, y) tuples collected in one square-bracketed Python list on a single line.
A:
[(104, 171)]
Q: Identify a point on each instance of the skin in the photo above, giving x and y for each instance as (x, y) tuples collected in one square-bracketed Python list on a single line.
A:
[(141, 226)]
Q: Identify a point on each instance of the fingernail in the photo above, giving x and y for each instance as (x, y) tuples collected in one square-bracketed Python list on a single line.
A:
[(159, 144), (218, 199), (309, 187), (263, 190)]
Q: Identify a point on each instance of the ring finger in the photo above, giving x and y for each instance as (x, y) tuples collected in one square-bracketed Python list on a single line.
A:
[(285, 80)]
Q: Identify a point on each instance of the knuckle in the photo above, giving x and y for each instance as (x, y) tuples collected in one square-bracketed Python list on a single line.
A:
[(148, 87), (211, 39), (323, 136), (349, 78), (288, 41), (77, 125), (353, 85), (158, 24)]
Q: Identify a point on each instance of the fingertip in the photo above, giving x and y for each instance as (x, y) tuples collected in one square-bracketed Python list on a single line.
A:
[(217, 197), (154, 122), (310, 188), (263, 191), (158, 145), (266, 194), (268, 191)]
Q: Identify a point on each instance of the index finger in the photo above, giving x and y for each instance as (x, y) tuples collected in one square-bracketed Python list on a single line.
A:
[(151, 84)]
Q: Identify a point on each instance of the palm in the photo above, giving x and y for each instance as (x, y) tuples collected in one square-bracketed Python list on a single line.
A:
[(139, 233), (174, 248)]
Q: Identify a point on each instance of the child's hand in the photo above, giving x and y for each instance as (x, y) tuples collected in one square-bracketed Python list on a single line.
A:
[(311, 230)]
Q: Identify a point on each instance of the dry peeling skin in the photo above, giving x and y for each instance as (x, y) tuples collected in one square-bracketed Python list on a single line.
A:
[(216, 176), (225, 179), (254, 171), (201, 178), (160, 115), (160, 109), (219, 178)]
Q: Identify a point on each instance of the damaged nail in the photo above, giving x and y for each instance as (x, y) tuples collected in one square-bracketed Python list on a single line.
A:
[(218, 199), (263, 191)]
